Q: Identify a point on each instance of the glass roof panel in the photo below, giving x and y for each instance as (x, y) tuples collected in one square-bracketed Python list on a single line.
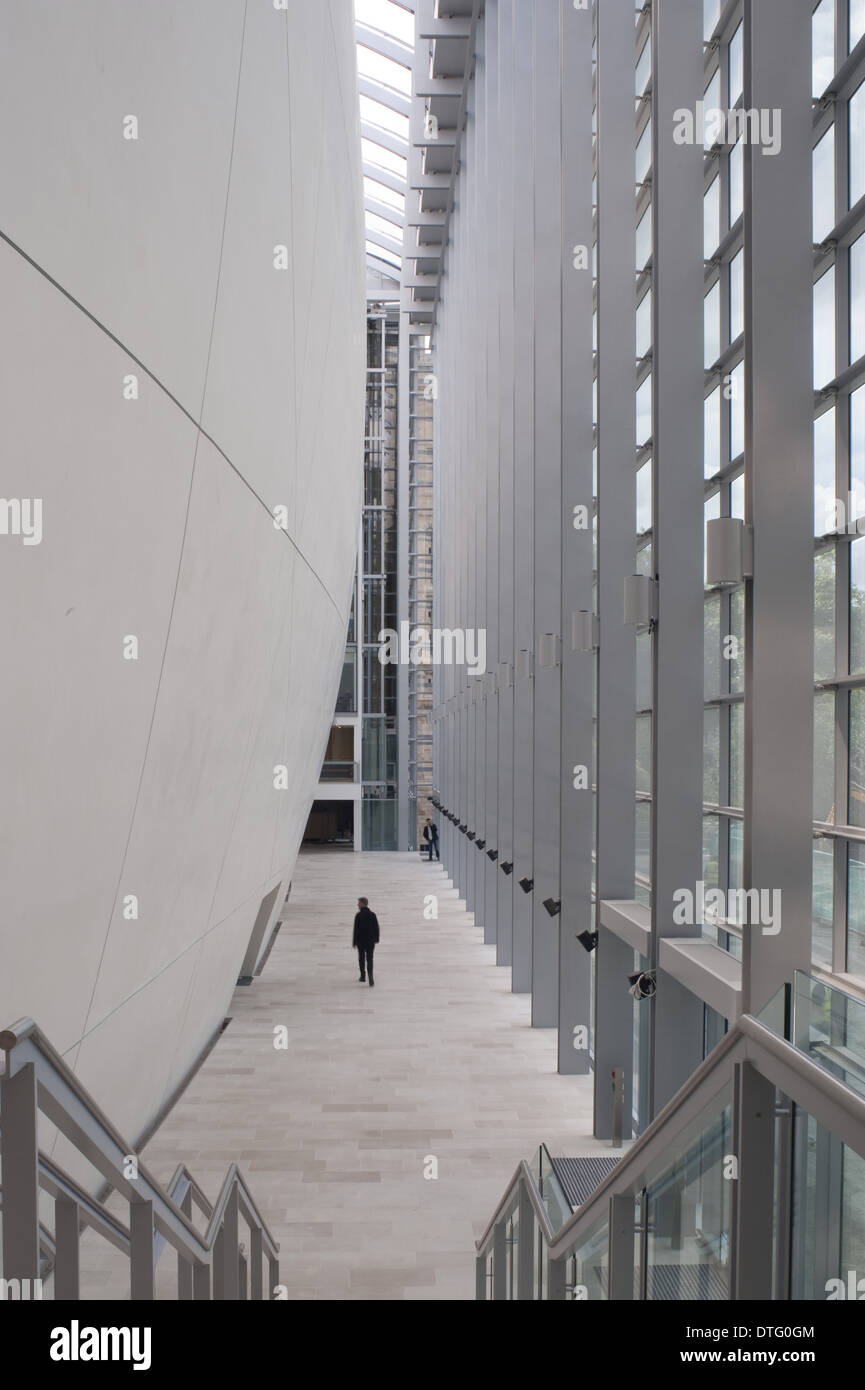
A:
[(385, 159), (389, 18), (389, 25), (378, 253), (380, 191), (376, 113), (374, 223), (383, 70)]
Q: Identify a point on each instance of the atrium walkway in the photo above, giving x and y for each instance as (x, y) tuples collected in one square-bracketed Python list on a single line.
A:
[(334, 1132)]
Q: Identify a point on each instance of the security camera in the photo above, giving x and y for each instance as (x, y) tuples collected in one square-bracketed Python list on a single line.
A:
[(588, 940), (643, 984)]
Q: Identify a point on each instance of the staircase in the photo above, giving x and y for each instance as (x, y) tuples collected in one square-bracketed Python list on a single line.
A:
[(718, 1198), (212, 1261)]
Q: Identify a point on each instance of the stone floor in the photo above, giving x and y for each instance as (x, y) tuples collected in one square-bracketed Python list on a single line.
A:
[(335, 1132)]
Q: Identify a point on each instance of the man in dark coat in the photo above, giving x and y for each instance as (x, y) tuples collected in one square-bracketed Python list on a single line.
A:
[(365, 938), (431, 839)]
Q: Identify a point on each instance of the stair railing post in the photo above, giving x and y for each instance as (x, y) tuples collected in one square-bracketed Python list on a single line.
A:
[(201, 1283), (230, 1249), (184, 1267), (143, 1273), (19, 1151), (256, 1290), (66, 1242), (218, 1292)]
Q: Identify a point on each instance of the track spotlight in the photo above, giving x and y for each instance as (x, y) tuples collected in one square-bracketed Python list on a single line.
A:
[(553, 906), (588, 940), (492, 854), (481, 844), (506, 868), (527, 884), (642, 985)]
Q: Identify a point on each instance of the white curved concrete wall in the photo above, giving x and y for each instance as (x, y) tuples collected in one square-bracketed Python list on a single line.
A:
[(155, 257)]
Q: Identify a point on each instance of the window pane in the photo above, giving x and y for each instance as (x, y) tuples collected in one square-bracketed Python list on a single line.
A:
[(824, 615), (737, 296), (644, 325), (712, 433), (857, 21), (737, 411), (643, 161), (857, 145), (857, 455), (644, 753), (736, 663), (644, 68), (857, 299), (711, 755), (644, 498), (737, 755), (643, 828), (644, 239), (737, 497), (856, 784), (824, 757), (710, 851), (824, 329), (857, 606), (821, 903), (856, 910), (644, 412), (737, 182), (734, 850), (823, 45), (644, 670), (712, 325), (824, 185), (711, 15), (712, 647), (712, 510), (712, 102), (711, 219), (824, 471), (737, 70)]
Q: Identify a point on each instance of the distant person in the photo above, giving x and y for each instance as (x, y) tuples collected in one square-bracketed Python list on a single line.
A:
[(365, 938), (431, 839)]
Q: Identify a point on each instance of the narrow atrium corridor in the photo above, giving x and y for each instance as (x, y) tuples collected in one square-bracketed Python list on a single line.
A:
[(335, 1130)]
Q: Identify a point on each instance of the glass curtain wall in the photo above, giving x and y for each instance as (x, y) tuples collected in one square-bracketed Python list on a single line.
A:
[(378, 579), (723, 467)]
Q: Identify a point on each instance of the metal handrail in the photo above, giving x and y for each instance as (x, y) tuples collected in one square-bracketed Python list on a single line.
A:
[(35, 1077), (832, 1104)]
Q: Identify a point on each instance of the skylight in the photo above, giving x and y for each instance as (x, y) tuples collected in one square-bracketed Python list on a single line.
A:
[(385, 50)]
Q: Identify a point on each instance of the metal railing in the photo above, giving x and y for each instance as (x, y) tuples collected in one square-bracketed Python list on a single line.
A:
[(751, 1054), (211, 1263)]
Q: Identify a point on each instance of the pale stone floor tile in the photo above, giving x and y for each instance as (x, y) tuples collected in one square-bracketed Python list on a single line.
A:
[(333, 1132)]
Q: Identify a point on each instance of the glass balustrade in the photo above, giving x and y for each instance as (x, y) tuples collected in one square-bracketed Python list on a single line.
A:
[(682, 1196), (688, 1218)]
